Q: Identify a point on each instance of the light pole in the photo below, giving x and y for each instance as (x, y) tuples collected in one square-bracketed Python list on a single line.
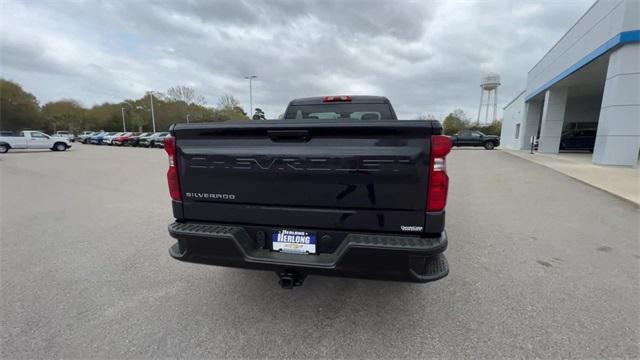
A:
[(250, 78), (124, 127), (153, 118)]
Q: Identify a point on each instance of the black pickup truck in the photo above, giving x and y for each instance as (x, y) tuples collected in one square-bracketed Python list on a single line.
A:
[(475, 138), (338, 187)]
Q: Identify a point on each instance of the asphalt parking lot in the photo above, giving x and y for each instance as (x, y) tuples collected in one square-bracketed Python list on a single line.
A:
[(541, 266)]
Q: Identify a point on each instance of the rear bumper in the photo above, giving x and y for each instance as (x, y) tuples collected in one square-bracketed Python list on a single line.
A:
[(376, 256)]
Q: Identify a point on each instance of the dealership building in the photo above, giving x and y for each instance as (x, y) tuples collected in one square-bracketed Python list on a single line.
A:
[(589, 80)]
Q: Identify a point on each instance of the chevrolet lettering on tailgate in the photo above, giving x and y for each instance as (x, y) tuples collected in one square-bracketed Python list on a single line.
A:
[(337, 187)]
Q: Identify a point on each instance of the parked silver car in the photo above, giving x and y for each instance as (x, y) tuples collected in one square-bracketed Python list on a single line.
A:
[(65, 134), (154, 140)]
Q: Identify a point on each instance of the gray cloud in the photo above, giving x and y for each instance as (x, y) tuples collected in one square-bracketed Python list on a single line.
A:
[(427, 57)]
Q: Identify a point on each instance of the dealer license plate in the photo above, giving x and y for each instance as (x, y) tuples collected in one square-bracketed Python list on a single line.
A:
[(294, 241)]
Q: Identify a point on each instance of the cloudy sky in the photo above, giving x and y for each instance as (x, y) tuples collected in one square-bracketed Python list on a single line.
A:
[(426, 56)]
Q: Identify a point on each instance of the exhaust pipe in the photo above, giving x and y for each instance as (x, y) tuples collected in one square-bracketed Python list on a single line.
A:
[(288, 279)]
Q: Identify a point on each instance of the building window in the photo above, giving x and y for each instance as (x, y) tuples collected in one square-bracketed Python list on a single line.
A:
[(517, 131)]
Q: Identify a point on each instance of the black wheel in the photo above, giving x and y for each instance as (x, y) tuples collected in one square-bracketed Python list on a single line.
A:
[(59, 146), (3, 148), (489, 145), (152, 144)]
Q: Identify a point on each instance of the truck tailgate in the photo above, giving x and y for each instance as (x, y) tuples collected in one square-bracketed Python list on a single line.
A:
[(367, 176)]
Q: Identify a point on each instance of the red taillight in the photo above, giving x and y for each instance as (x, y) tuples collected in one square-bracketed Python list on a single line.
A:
[(438, 178), (440, 146), (336, 98), (172, 173)]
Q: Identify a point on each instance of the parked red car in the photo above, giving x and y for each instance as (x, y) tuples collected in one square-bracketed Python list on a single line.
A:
[(124, 138)]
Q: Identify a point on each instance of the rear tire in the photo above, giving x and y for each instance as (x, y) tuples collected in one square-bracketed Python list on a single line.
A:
[(3, 149), (59, 146), (489, 145)]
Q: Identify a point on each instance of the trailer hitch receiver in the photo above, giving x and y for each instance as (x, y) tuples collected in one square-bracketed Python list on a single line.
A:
[(288, 279)]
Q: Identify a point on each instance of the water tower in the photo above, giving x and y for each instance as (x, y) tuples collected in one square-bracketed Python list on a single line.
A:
[(489, 84)]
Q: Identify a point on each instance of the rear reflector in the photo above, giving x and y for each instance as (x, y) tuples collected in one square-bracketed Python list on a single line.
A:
[(172, 173), (336, 98), (438, 178), (438, 188)]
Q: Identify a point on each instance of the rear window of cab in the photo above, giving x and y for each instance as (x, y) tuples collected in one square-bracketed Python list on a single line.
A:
[(339, 111)]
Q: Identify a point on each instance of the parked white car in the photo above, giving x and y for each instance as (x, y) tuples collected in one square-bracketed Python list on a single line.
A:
[(33, 140), (66, 134)]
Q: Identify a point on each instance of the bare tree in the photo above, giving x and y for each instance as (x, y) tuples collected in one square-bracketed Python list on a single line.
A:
[(228, 102), (159, 96), (185, 93)]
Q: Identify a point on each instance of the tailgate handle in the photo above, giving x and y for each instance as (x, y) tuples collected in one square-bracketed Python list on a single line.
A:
[(289, 135)]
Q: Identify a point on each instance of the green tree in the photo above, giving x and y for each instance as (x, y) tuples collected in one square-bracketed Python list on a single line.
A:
[(236, 113), (454, 122), (63, 115), (137, 121), (259, 115), (490, 129), (18, 108), (105, 116)]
